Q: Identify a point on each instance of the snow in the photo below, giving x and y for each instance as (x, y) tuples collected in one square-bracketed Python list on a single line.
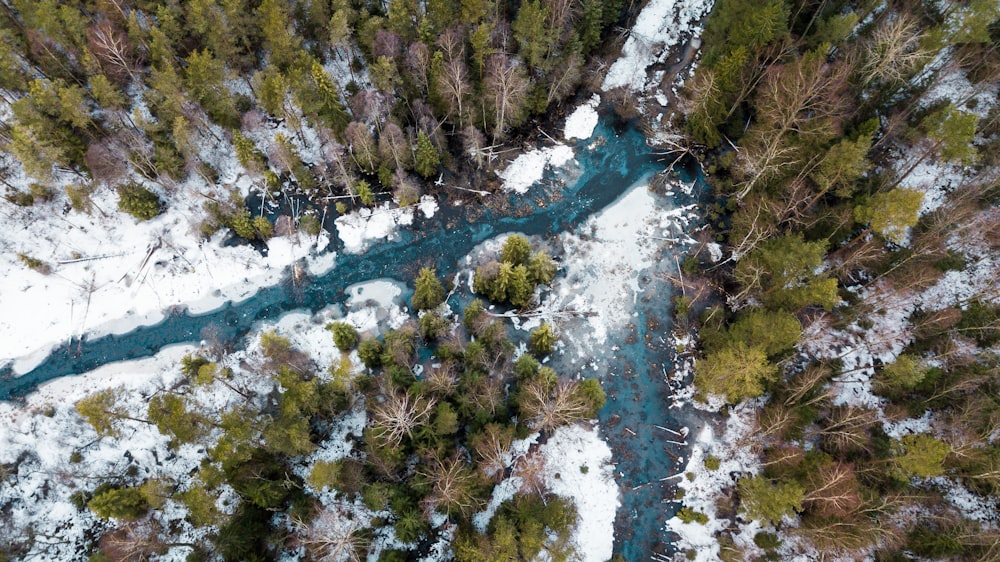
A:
[(111, 274), (37, 447), (714, 251), (662, 24), (604, 258), (529, 168), (702, 490), (427, 206), (594, 493), (581, 123), (359, 228)]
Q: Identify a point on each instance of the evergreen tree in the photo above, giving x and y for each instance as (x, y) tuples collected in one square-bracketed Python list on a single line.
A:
[(515, 250), (736, 371), (769, 502), (426, 158), (138, 201), (345, 336), (891, 213), (542, 339), (428, 292), (170, 414), (119, 503), (920, 455)]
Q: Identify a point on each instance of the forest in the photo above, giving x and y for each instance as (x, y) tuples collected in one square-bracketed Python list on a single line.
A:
[(853, 322), (375, 97)]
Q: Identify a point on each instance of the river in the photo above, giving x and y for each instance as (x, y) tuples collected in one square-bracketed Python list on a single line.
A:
[(638, 396)]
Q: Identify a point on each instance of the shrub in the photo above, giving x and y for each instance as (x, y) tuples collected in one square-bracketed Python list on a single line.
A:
[(345, 336), (79, 197), (263, 228), (138, 201), (35, 264), (370, 351), (310, 224), (119, 503), (201, 506), (767, 541), (688, 515), (41, 193), (433, 326), (712, 463), (324, 474)]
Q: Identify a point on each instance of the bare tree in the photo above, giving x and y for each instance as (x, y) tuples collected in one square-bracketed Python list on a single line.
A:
[(454, 485), (109, 44), (453, 86), (893, 51), (833, 491), (492, 449), (547, 406), (399, 415), (333, 535), (507, 85)]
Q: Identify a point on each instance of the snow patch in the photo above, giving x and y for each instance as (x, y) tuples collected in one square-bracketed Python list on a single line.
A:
[(529, 168), (592, 490), (582, 122), (661, 25), (358, 229)]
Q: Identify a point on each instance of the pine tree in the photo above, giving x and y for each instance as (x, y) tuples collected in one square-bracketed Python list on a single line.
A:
[(428, 292), (903, 374), (426, 159), (119, 503), (769, 502), (170, 414), (542, 339), (345, 336), (515, 250), (891, 213), (736, 371), (921, 456)]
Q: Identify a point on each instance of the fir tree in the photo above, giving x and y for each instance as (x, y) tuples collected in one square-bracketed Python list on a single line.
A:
[(428, 292)]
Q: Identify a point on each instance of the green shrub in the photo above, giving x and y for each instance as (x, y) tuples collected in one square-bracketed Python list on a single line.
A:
[(41, 193), (688, 515), (201, 506), (433, 326), (767, 541), (35, 264), (79, 197), (370, 351), (345, 336), (712, 463), (138, 201), (127, 504), (310, 224)]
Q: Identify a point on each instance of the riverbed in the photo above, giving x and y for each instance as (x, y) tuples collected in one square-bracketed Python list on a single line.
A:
[(626, 346)]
